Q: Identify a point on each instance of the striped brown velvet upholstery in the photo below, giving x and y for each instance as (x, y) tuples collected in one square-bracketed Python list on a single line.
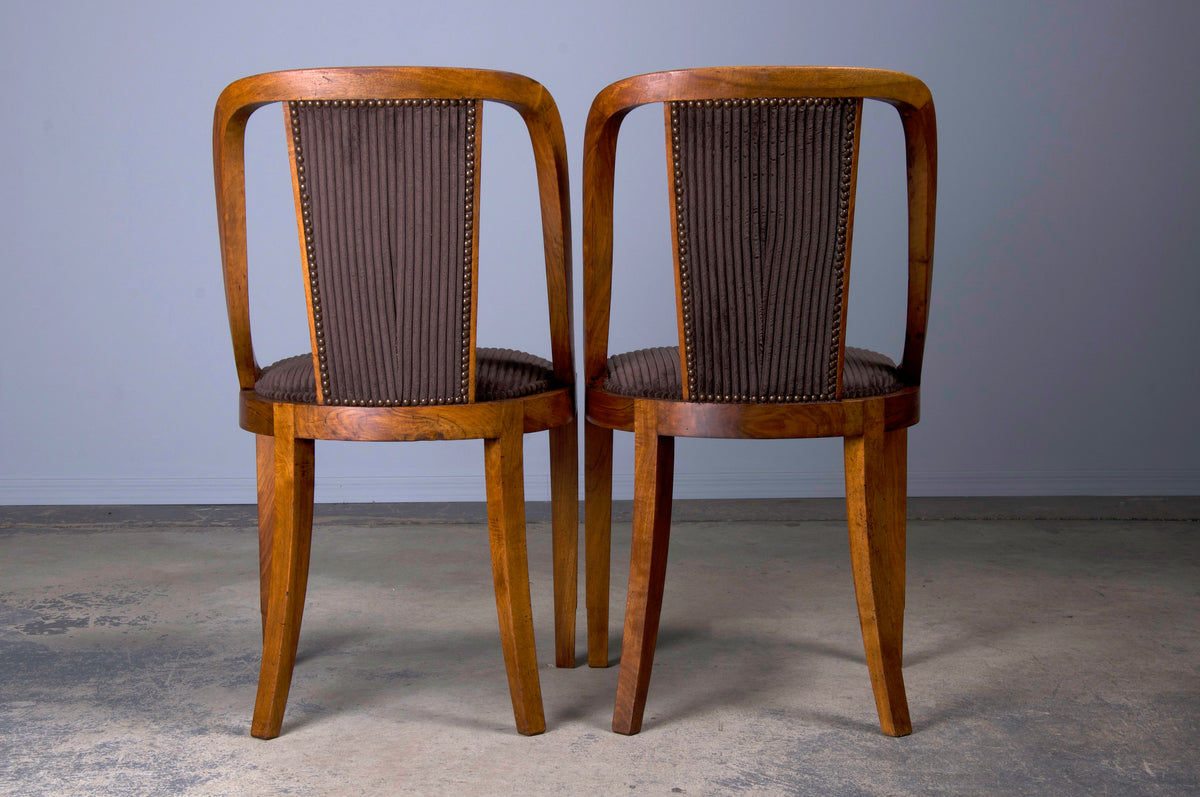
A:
[(499, 374), (387, 192), (655, 373), (762, 201)]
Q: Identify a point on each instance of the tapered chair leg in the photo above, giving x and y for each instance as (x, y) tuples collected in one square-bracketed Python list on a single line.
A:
[(654, 462), (265, 453), (597, 452), (290, 546), (510, 571), (876, 478), (564, 501)]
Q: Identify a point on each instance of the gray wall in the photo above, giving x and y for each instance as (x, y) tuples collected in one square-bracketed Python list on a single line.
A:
[(1061, 353)]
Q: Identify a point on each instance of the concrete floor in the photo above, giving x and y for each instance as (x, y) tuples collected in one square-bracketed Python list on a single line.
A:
[(1052, 648)]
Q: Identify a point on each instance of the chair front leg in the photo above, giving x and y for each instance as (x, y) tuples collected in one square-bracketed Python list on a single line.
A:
[(289, 554), (265, 454), (654, 464), (876, 486), (597, 505), (564, 501), (510, 570)]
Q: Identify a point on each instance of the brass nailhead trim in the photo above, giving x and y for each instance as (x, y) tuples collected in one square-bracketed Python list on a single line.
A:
[(840, 252), (685, 278), (294, 107)]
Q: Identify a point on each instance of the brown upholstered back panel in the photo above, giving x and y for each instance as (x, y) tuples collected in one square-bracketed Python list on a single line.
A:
[(762, 201), (386, 191)]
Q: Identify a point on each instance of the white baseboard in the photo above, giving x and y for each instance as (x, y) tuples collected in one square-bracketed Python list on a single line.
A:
[(332, 489)]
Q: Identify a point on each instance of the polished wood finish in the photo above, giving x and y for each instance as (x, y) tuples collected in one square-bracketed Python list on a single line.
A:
[(382, 424), (598, 443), (564, 509), (875, 504), (510, 569), (286, 431), (290, 545), (265, 455), (874, 429), (653, 473)]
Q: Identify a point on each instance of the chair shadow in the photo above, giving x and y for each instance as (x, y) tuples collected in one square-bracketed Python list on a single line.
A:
[(414, 663), (701, 650)]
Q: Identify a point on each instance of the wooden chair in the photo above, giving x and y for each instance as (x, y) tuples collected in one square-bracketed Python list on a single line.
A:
[(762, 163), (384, 166)]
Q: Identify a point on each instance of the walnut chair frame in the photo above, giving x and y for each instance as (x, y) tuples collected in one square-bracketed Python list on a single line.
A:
[(873, 419), (287, 427)]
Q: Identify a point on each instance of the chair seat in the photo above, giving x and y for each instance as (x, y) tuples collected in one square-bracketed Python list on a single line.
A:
[(655, 373), (499, 374)]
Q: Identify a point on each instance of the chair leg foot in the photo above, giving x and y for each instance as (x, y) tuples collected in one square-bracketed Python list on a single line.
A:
[(564, 499), (289, 555), (875, 500), (510, 572), (653, 479), (597, 533)]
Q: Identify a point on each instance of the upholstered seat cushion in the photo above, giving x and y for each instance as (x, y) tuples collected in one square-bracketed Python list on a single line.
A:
[(499, 374), (655, 373)]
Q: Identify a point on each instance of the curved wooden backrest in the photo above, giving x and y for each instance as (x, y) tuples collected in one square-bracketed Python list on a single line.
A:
[(340, 106), (722, 91)]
